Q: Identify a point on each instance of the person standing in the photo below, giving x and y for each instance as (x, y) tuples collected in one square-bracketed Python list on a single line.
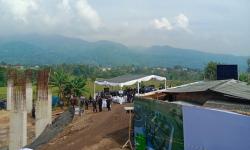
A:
[(94, 105), (86, 104), (100, 103), (109, 103), (81, 108), (90, 99), (73, 101), (33, 111)]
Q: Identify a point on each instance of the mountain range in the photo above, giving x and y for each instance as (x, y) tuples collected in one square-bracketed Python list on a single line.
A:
[(55, 49)]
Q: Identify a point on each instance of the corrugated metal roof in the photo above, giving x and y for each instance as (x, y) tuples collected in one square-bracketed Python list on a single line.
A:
[(233, 88), (196, 86)]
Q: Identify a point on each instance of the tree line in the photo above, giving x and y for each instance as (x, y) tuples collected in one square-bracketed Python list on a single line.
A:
[(210, 72)]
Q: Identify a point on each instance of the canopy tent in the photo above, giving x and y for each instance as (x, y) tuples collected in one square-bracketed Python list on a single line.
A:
[(127, 80)]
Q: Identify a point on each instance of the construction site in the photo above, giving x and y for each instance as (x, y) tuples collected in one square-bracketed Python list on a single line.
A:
[(58, 128), (186, 117)]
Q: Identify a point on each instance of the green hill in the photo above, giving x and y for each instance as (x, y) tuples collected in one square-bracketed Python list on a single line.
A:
[(40, 49)]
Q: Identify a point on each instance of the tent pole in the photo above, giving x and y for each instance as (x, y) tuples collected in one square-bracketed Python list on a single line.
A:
[(138, 88), (165, 84)]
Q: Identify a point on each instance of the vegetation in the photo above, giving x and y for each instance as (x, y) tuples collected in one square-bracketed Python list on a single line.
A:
[(78, 79), (3, 92), (59, 79), (74, 87), (210, 71), (2, 76), (67, 85), (93, 72), (65, 74), (245, 77)]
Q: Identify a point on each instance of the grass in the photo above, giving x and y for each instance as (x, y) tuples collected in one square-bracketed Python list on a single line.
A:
[(3, 92)]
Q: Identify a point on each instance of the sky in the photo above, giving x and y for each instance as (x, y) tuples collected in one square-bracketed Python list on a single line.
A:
[(217, 26)]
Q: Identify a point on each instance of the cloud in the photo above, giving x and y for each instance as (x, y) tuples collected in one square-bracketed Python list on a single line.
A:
[(179, 22), (19, 9), (87, 13), (182, 21), (162, 23), (57, 16)]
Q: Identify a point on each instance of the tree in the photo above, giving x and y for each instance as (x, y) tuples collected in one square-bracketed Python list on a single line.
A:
[(210, 71), (245, 77), (59, 79), (76, 86), (2, 76)]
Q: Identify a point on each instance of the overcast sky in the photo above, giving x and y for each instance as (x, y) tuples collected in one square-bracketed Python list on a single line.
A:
[(218, 26)]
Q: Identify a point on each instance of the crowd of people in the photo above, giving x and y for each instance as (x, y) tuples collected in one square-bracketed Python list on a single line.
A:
[(96, 103), (102, 100)]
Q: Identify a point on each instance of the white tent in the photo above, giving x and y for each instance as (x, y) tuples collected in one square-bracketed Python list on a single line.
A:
[(127, 80)]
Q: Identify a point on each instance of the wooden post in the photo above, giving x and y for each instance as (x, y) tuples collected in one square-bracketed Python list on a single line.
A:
[(129, 129)]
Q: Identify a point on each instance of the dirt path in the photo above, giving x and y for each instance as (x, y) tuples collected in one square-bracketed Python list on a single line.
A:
[(94, 131)]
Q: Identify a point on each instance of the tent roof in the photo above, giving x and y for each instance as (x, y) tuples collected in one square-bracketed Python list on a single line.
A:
[(233, 88), (128, 80)]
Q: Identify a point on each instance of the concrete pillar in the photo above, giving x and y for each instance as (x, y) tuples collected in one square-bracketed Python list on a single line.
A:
[(18, 115), (41, 116), (49, 107), (9, 93), (29, 96), (18, 130)]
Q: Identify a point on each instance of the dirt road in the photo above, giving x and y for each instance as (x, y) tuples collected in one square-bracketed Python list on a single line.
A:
[(94, 131)]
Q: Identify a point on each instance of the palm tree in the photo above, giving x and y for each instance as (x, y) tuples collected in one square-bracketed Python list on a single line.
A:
[(59, 79), (76, 86)]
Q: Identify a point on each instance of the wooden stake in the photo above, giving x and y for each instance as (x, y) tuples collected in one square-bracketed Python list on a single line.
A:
[(129, 129)]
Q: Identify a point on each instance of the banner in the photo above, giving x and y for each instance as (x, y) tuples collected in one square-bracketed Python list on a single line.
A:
[(207, 129), (162, 125), (158, 125)]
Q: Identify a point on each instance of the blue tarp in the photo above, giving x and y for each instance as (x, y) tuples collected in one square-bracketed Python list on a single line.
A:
[(55, 101)]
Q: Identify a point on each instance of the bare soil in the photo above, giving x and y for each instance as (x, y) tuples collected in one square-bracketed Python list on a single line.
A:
[(94, 131)]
